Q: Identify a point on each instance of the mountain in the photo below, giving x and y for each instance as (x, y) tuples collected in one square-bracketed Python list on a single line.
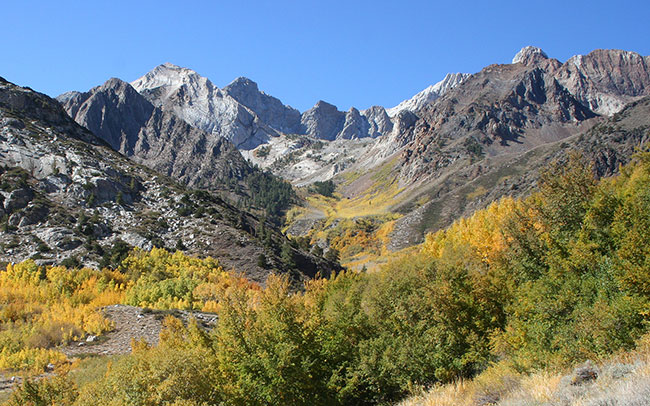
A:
[(201, 104), (489, 136), (248, 117), (158, 139), (516, 107), (606, 80), (270, 110), (484, 135), (67, 196), (429, 94)]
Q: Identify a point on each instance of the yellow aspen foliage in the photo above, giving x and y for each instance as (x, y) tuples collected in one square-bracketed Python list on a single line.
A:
[(44, 307), (483, 231)]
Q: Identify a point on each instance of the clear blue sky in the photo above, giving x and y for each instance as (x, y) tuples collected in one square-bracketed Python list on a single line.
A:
[(349, 53)]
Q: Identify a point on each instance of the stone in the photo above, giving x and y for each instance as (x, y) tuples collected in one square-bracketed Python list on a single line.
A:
[(18, 199), (323, 121), (204, 106), (33, 215), (606, 80), (585, 373)]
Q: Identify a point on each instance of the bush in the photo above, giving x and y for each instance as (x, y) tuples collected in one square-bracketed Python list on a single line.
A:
[(324, 188)]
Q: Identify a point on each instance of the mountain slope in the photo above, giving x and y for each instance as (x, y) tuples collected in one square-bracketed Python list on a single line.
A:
[(608, 143), (488, 137), (121, 116), (66, 195)]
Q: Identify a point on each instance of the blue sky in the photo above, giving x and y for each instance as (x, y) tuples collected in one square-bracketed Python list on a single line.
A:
[(349, 53)]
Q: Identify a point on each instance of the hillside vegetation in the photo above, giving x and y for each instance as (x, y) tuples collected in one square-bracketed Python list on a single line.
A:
[(546, 282)]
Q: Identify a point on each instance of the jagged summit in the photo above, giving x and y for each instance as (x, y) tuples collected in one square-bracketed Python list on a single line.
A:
[(322, 104), (170, 65), (164, 80), (429, 94), (242, 82), (115, 83), (529, 54)]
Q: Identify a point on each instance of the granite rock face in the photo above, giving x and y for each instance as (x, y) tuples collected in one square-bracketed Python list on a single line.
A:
[(270, 110), (326, 122), (323, 121), (154, 137), (201, 104), (604, 80)]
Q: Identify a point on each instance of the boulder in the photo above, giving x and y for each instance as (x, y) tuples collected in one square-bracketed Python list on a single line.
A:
[(18, 199), (585, 373)]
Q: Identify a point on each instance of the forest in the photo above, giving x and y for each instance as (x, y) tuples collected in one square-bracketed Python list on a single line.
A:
[(543, 282)]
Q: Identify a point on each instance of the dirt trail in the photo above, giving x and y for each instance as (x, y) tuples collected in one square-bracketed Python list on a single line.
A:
[(133, 323), (129, 323)]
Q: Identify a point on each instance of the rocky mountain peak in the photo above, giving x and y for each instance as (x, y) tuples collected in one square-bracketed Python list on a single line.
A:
[(323, 120), (429, 94), (155, 137), (451, 80), (606, 80), (269, 109), (169, 70), (529, 55), (323, 105), (165, 80), (118, 87), (242, 84)]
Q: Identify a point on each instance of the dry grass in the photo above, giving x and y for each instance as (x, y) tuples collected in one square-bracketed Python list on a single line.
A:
[(454, 394), (376, 201), (624, 380)]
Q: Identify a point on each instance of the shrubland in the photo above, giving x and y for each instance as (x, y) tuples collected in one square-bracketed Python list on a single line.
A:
[(522, 287)]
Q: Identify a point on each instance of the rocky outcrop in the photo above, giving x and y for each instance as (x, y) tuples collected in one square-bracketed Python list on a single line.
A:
[(323, 121), (379, 122), (606, 80), (156, 138), (326, 122)]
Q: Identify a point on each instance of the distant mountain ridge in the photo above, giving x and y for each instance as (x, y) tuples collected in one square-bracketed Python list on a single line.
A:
[(249, 117)]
